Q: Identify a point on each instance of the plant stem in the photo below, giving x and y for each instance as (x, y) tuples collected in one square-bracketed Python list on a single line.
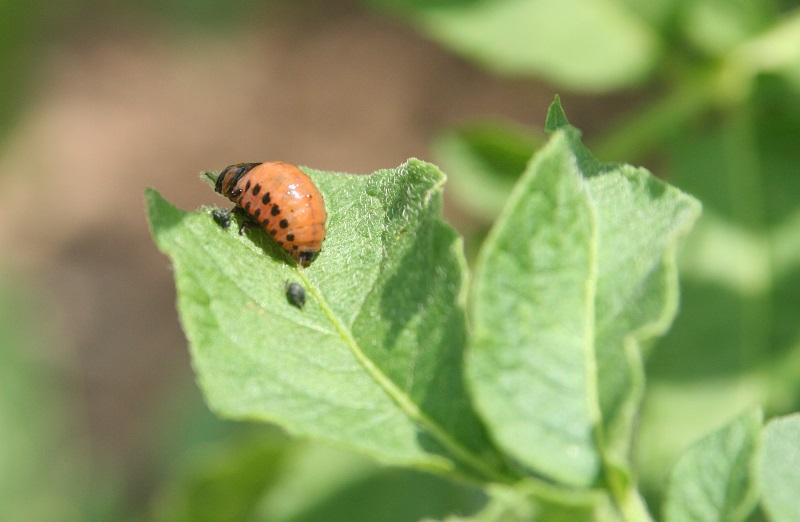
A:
[(633, 507)]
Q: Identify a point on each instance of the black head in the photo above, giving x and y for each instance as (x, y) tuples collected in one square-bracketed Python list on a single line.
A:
[(230, 176), (307, 256)]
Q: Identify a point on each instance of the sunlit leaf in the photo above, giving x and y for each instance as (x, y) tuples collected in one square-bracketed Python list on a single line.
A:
[(779, 469), (577, 272), (373, 361), (713, 480), (590, 45)]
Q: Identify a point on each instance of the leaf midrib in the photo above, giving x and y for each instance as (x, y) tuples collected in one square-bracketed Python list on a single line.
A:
[(400, 398), (403, 401)]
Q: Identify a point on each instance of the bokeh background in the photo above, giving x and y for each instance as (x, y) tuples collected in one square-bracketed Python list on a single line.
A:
[(99, 415)]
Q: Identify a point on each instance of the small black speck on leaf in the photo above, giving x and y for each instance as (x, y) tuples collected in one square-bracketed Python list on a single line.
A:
[(295, 294), (222, 217)]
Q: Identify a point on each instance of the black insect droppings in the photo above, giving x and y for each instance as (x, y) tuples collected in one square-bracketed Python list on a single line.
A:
[(295, 294), (222, 217)]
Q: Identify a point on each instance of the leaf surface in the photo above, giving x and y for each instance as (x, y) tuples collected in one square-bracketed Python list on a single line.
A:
[(374, 360), (779, 468), (713, 480), (577, 272), (588, 45)]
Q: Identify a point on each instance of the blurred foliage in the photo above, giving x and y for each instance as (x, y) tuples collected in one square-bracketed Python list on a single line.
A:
[(725, 129), (44, 473), (724, 125), (487, 157), (779, 468), (265, 476), (591, 45), (18, 49), (201, 14), (223, 481), (737, 340), (713, 479)]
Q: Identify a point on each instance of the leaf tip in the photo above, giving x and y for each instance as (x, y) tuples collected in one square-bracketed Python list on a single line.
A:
[(435, 177), (152, 200), (161, 214), (209, 177), (556, 118)]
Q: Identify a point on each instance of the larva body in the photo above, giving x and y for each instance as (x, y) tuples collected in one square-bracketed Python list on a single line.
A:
[(282, 200)]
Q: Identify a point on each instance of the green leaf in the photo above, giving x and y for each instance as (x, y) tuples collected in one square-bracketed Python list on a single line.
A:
[(266, 476), (585, 45), (716, 26), (373, 361), (736, 341), (713, 480), (485, 159), (577, 272), (657, 13), (224, 481), (19, 51), (779, 469), (43, 469), (368, 493), (504, 506), (556, 117), (526, 502)]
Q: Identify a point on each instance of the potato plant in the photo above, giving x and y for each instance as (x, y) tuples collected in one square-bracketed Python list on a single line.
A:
[(523, 379)]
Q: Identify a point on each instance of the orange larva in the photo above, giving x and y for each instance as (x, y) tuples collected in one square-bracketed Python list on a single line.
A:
[(282, 200)]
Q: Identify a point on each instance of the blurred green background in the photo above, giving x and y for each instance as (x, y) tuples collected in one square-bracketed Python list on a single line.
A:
[(99, 417)]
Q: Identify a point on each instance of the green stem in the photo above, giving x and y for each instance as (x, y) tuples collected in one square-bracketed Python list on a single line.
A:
[(633, 507)]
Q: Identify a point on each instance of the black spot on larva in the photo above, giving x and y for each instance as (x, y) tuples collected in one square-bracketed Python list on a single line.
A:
[(295, 294), (257, 213), (272, 232), (256, 189), (289, 237), (275, 210), (265, 222), (247, 207), (265, 199), (294, 247), (247, 186), (280, 243), (284, 223)]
